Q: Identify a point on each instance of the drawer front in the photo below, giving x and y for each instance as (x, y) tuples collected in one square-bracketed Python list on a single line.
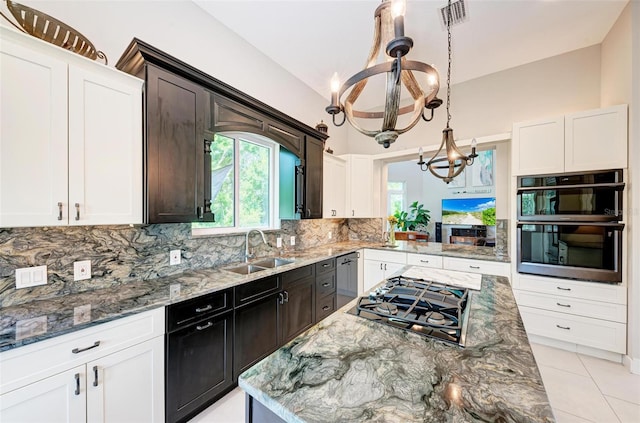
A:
[(388, 256), (252, 291), (578, 307), (476, 266), (575, 289), (28, 364), (424, 260), (325, 266), (186, 312), (325, 284), (602, 334), (325, 306), (297, 274)]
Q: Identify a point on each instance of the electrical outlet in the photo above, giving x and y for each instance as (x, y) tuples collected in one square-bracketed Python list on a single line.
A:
[(31, 276), (293, 240), (82, 314), (329, 235), (175, 257), (279, 242), (81, 270), (174, 291)]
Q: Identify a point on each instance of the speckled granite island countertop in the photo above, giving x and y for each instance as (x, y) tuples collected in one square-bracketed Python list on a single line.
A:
[(125, 299), (349, 369)]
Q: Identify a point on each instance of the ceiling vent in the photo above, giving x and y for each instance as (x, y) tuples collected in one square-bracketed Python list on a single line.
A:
[(458, 13)]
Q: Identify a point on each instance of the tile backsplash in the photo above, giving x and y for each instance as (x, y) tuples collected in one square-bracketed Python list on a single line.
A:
[(124, 254)]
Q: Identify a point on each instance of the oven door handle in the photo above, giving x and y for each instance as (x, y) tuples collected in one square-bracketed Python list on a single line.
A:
[(612, 225), (618, 186)]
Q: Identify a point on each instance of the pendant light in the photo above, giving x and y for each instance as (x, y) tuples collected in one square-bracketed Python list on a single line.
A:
[(454, 161)]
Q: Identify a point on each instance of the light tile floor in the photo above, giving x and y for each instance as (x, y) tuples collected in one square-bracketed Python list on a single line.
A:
[(581, 389)]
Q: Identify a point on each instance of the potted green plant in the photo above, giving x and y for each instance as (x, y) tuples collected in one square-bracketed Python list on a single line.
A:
[(416, 219)]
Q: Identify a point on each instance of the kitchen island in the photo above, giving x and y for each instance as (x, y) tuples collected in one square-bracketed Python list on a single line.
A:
[(348, 368)]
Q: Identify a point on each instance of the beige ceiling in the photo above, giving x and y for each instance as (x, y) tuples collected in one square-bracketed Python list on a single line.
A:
[(314, 38)]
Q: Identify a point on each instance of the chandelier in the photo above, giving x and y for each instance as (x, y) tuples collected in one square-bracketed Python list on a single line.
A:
[(388, 32), (454, 161)]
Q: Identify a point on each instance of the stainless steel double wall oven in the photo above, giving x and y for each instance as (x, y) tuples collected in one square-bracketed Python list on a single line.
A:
[(570, 225)]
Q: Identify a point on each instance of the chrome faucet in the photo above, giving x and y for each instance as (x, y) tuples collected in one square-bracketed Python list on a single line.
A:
[(247, 254)]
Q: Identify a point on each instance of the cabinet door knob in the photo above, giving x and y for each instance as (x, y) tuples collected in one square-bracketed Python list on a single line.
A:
[(281, 298), (286, 296), (59, 211)]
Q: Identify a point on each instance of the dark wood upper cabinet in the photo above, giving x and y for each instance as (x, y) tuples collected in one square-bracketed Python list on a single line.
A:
[(313, 178), (175, 149), (184, 109)]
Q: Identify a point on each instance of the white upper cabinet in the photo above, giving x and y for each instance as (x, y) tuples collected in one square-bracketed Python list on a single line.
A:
[(334, 187), (596, 139), (588, 140), (105, 148), (538, 147), (70, 140), (33, 136), (362, 189)]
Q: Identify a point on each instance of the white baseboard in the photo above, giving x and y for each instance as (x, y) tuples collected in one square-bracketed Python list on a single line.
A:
[(632, 364), (576, 348)]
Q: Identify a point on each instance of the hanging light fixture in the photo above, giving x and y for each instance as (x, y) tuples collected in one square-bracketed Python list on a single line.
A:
[(454, 161), (389, 32)]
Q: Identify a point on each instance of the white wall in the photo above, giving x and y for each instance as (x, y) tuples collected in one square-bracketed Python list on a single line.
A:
[(183, 30), (491, 104)]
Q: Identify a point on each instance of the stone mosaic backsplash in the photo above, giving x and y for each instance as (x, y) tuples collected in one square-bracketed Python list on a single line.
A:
[(122, 254)]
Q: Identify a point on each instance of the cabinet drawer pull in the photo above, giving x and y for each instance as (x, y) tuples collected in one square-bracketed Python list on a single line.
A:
[(59, 211), (474, 267), (95, 375), (563, 289), (424, 261), (79, 350), (77, 391), (281, 298), (325, 308), (77, 211), (286, 296), (207, 326), (564, 305), (326, 284), (563, 327), (326, 265), (203, 309)]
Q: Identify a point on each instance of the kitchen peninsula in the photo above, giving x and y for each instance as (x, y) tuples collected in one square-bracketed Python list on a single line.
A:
[(350, 369)]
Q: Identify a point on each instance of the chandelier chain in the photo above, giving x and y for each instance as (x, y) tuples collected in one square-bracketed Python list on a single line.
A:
[(448, 62)]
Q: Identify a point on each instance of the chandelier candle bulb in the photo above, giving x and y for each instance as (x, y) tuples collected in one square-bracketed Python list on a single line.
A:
[(397, 12)]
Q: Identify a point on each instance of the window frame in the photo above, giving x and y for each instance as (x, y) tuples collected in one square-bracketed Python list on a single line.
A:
[(274, 185), (391, 192)]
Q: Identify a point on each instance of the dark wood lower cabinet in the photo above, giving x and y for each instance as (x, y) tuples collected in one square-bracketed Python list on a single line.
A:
[(297, 310), (255, 412), (257, 332), (198, 368)]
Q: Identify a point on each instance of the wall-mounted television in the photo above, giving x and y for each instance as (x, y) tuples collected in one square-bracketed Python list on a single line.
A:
[(469, 211)]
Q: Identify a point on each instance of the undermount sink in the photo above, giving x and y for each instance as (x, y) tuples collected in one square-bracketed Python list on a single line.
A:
[(272, 262), (258, 266), (246, 269)]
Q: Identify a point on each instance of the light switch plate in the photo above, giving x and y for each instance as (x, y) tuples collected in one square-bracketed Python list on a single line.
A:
[(175, 257), (31, 276), (279, 242), (329, 234), (81, 270), (293, 240), (174, 291)]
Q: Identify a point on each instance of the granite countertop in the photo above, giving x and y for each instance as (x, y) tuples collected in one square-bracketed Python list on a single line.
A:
[(348, 368), (126, 299)]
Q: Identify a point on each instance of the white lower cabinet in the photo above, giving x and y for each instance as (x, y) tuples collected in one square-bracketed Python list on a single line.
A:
[(379, 265), (53, 399), (109, 379), (476, 266), (584, 313)]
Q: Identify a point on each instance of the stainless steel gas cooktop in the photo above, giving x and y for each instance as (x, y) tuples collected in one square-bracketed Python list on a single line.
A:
[(429, 308)]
